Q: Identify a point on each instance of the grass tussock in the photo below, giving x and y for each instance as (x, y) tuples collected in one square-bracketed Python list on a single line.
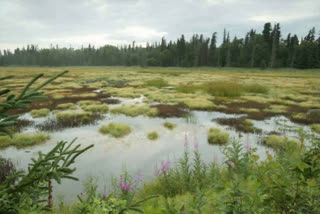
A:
[(97, 108), (67, 106), (158, 83), (36, 113), (169, 125), (115, 129), (84, 103), (279, 143), (315, 128), (153, 135), (21, 140), (217, 137), (135, 110)]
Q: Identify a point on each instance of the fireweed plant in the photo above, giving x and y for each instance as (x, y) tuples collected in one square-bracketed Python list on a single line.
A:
[(286, 181)]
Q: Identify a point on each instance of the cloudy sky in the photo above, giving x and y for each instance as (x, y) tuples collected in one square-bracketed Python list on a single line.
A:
[(79, 22)]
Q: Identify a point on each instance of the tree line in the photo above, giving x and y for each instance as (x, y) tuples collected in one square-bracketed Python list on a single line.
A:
[(266, 49)]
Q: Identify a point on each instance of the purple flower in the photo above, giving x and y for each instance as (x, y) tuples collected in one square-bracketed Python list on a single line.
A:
[(104, 196), (230, 163), (214, 159), (139, 177), (247, 147), (165, 166), (126, 187), (156, 172), (196, 146)]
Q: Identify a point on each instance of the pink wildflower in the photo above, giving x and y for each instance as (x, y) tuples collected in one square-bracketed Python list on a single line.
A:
[(165, 166)]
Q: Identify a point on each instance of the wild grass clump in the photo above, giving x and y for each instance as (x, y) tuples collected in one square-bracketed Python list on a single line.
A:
[(67, 106), (153, 135), (21, 140), (84, 103), (217, 137), (224, 89), (36, 113), (279, 143), (97, 108), (135, 110), (315, 128), (115, 129), (169, 125), (158, 83)]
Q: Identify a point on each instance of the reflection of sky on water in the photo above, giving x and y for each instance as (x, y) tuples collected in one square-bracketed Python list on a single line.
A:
[(135, 152)]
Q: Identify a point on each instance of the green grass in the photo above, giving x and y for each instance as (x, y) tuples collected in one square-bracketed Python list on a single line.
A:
[(96, 108), (68, 116), (115, 129), (169, 125), (279, 142), (135, 110), (153, 135), (84, 103), (36, 113), (217, 137), (158, 83), (315, 128), (21, 140), (65, 106)]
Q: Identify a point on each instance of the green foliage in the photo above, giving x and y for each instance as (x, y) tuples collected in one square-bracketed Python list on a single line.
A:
[(44, 112), (115, 129), (26, 190), (134, 110), (21, 140), (169, 125), (20, 101), (153, 135), (287, 182), (216, 136), (158, 83)]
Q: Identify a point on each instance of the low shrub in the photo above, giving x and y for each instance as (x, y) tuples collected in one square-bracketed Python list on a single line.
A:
[(169, 125), (134, 110), (21, 140), (216, 136), (115, 129), (153, 135), (44, 112)]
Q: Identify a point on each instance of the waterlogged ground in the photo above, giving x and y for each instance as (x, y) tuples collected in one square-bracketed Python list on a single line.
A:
[(270, 99), (135, 152)]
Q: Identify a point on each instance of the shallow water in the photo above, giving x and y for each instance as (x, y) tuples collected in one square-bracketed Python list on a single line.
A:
[(135, 152)]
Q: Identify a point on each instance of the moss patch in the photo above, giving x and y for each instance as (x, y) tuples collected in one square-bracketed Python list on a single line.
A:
[(115, 129), (153, 135), (65, 106), (315, 128), (279, 143), (36, 113), (97, 108), (240, 124), (134, 110), (169, 125), (21, 140), (217, 137)]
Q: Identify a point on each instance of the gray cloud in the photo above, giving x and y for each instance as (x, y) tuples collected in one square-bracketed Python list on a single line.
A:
[(77, 22)]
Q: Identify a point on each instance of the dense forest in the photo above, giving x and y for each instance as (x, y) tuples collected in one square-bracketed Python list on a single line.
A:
[(266, 49)]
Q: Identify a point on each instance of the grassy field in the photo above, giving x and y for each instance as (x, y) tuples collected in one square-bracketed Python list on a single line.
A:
[(258, 93), (286, 180)]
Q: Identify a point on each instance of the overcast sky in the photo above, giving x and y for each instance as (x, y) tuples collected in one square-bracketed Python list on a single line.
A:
[(99, 22)]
